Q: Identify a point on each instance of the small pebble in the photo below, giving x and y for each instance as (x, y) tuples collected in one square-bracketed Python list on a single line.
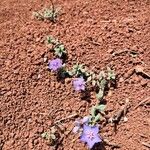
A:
[(45, 59), (125, 119)]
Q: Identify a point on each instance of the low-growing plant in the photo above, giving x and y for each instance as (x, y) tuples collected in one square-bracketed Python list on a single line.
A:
[(104, 81), (50, 136), (111, 76), (88, 126), (91, 78), (51, 40), (58, 48), (101, 84), (96, 113), (47, 13), (88, 133), (79, 70)]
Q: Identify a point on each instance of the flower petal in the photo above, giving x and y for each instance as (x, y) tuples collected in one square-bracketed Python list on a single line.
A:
[(85, 119), (91, 143), (86, 129), (76, 129), (95, 129), (83, 138)]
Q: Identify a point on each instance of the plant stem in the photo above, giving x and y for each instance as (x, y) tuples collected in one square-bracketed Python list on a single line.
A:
[(53, 9)]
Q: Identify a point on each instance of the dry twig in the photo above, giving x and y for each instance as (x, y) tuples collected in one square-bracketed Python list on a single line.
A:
[(91, 40), (141, 103), (146, 144), (113, 145), (140, 70), (68, 117), (122, 112)]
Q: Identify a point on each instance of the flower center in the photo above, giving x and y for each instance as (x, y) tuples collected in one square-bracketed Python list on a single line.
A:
[(90, 135), (55, 64)]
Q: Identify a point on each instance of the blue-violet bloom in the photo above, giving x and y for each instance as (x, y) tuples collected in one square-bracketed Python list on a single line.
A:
[(85, 120), (90, 135), (79, 84), (55, 64), (79, 123)]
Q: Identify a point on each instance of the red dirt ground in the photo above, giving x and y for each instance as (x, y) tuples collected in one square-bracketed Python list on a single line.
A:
[(31, 98)]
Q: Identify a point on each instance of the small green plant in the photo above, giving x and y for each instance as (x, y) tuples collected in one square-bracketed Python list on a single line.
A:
[(50, 14), (96, 113), (47, 13), (91, 78), (101, 84), (50, 136), (104, 81), (51, 40), (79, 71), (58, 48), (111, 74)]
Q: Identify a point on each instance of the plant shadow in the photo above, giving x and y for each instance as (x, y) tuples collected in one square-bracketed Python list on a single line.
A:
[(99, 146), (85, 95)]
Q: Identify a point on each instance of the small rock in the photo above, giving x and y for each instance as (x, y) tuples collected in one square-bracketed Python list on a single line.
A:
[(40, 129), (121, 79), (139, 69), (39, 76), (58, 85), (109, 93), (144, 82), (67, 80), (38, 39), (110, 51), (125, 119), (30, 144), (136, 79), (129, 73), (45, 59), (36, 141), (16, 71), (8, 93)]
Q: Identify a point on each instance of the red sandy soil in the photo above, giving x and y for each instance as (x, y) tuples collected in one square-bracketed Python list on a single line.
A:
[(32, 99)]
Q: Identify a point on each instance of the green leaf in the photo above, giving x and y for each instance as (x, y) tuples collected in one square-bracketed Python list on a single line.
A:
[(93, 82), (101, 107), (111, 74), (93, 111), (103, 84), (97, 118), (101, 75), (70, 73), (53, 130), (89, 79), (53, 136), (100, 94), (93, 75), (44, 135), (98, 84), (86, 74)]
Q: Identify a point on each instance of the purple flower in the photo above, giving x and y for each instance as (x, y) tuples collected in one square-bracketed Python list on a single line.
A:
[(78, 124), (79, 84), (85, 119), (55, 64), (90, 135), (76, 129)]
